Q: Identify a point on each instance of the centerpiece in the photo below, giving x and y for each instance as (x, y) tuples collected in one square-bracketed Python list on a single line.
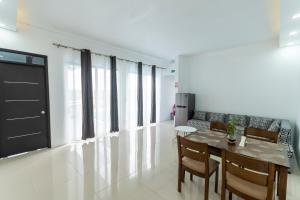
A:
[(231, 127)]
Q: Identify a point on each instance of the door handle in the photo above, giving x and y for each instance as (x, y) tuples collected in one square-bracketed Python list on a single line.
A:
[(43, 112)]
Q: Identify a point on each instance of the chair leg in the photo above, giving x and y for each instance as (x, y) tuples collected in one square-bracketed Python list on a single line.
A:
[(216, 180), (206, 188), (191, 177), (230, 195), (223, 189), (223, 193), (179, 179), (278, 182)]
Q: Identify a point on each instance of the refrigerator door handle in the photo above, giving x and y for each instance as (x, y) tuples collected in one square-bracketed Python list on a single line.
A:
[(181, 106)]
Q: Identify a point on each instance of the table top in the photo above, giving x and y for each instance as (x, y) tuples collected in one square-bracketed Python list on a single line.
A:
[(258, 149), (185, 129)]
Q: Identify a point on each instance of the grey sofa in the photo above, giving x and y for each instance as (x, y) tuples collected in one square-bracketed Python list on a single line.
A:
[(201, 121)]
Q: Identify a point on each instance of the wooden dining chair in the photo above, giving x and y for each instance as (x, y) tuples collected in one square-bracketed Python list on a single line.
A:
[(261, 134), (218, 126), (194, 158), (246, 177), (264, 135)]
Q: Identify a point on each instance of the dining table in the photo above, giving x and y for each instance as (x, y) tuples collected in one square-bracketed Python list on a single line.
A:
[(261, 150)]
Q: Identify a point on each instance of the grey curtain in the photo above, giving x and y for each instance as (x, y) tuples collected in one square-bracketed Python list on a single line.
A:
[(140, 95), (87, 95), (114, 118), (153, 95)]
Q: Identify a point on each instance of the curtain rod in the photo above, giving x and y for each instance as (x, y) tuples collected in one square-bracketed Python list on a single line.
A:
[(100, 54)]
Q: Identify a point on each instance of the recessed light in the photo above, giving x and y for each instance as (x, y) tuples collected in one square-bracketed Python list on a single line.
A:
[(290, 43), (2, 25), (293, 33), (296, 16), (1, 1)]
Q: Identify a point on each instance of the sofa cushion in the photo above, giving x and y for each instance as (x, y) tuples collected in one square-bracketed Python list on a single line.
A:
[(216, 117), (275, 126), (199, 124), (241, 120), (200, 115), (260, 122)]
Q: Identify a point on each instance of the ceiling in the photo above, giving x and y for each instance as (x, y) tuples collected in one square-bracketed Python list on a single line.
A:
[(163, 28), (8, 14), (289, 23)]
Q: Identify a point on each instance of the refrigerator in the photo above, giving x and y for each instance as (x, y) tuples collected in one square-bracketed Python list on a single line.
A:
[(185, 105)]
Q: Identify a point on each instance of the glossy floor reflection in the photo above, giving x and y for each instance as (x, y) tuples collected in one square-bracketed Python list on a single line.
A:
[(135, 165)]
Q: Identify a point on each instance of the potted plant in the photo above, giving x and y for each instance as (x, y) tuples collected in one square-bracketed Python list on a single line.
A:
[(231, 130)]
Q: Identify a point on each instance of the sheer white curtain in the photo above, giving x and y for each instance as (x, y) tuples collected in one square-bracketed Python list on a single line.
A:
[(73, 92), (72, 95), (127, 94), (101, 94), (147, 85), (159, 75)]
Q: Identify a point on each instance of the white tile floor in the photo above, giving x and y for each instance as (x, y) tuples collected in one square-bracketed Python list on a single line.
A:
[(136, 165)]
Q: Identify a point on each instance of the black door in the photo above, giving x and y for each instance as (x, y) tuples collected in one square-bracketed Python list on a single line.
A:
[(24, 116)]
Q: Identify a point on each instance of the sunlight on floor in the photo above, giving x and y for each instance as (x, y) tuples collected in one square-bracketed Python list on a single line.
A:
[(137, 164)]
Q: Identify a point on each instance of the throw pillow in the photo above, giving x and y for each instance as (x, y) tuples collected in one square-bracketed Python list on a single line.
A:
[(200, 115), (216, 117), (260, 122), (241, 120)]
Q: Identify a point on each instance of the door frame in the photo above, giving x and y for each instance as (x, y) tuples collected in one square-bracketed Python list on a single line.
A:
[(45, 66)]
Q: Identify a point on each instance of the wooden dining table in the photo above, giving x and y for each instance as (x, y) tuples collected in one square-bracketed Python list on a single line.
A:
[(258, 149)]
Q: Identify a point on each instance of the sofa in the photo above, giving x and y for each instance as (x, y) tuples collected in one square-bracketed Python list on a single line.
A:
[(202, 119)]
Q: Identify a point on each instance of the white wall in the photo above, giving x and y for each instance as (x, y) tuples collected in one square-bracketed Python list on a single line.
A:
[(38, 40), (167, 96), (259, 79)]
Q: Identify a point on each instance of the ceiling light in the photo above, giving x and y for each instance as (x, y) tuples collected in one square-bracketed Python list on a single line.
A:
[(290, 43), (293, 33), (2, 25), (296, 16), (1, 1)]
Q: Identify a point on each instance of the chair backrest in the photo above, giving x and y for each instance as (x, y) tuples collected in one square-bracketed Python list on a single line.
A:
[(193, 150), (218, 126), (249, 169), (261, 134)]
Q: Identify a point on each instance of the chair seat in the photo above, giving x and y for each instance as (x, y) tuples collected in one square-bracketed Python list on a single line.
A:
[(200, 166), (246, 187)]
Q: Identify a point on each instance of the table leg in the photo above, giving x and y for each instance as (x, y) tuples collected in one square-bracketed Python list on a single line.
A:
[(283, 173)]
